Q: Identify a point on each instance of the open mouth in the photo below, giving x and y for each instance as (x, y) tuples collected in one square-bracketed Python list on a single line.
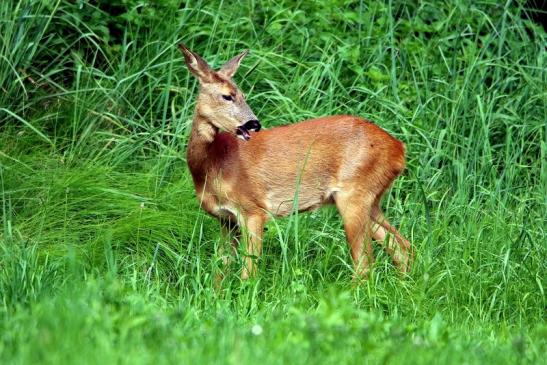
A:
[(243, 130), (243, 133)]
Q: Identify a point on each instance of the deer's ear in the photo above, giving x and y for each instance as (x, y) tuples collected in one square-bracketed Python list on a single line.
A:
[(196, 64), (229, 68)]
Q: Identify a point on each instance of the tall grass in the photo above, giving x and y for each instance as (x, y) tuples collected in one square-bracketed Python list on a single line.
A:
[(106, 256)]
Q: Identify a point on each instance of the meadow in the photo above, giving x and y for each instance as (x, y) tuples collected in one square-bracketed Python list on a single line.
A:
[(106, 257)]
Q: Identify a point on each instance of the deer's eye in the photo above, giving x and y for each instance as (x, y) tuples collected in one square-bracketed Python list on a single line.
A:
[(228, 97)]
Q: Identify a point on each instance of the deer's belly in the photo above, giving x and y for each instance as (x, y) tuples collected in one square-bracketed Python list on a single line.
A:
[(283, 203)]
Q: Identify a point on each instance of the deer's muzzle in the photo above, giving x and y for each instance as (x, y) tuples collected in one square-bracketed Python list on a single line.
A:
[(243, 130)]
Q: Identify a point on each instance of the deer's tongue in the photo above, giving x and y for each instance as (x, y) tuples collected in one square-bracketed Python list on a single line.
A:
[(243, 133)]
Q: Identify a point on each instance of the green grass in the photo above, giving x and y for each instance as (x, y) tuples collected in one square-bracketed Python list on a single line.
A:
[(105, 256)]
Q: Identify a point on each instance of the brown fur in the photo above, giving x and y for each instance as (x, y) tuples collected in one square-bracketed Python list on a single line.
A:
[(342, 159)]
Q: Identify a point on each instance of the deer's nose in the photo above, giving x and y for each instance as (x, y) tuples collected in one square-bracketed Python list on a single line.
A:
[(252, 125)]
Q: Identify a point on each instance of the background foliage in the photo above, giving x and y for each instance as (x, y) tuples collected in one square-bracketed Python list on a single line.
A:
[(105, 255)]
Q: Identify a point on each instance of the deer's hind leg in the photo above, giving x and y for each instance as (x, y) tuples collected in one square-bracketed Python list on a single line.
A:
[(397, 246), (355, 209)]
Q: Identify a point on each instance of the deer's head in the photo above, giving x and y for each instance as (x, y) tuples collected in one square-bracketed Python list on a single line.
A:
[(220, 101)]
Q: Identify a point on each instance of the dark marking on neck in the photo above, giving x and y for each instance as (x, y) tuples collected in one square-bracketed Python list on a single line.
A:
[(207, 158)]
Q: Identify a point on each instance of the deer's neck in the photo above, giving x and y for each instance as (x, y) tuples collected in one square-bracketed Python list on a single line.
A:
[(201, 138)]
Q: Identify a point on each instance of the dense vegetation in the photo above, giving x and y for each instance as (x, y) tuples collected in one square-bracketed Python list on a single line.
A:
[(106, 257)]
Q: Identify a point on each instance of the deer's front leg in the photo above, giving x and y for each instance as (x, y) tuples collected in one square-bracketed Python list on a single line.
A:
[(230, 237), (253, 231), (227, 247)]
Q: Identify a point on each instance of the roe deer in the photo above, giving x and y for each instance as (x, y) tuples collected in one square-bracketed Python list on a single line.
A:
[(341, 159)]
